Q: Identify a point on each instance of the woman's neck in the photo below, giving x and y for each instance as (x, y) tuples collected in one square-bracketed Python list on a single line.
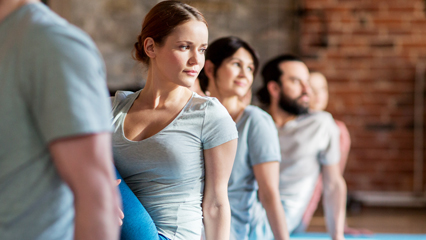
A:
[(159, 93), (233, 104)]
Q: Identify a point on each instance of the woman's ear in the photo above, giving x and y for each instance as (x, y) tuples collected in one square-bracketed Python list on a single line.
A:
[(209, 69), (274, 90), (149, 47)]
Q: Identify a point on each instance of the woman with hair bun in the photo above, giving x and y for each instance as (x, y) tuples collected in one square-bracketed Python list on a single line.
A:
[(231, 65), (173, 148)]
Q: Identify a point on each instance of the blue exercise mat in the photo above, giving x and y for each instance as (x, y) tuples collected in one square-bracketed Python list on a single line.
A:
[(325, 236)]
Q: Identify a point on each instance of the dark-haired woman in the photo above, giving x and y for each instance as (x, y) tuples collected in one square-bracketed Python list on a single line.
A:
[(172, 147), (228, 74)]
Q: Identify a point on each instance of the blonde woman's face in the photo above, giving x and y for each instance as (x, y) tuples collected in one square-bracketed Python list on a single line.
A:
[(319, 98)]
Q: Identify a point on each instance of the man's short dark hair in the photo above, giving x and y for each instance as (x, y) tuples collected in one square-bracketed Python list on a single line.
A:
[(271, 72)]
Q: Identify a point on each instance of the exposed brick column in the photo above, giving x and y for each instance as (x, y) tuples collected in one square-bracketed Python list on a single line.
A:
[(368, 51)]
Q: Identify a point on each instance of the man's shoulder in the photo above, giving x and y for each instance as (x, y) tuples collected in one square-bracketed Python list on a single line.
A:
[(321, 116), (46, 27), (316, 117), (311, 121), (61, 35)]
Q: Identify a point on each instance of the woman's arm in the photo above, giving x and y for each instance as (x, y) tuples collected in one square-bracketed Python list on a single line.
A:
[(267, 176), (216, 210)]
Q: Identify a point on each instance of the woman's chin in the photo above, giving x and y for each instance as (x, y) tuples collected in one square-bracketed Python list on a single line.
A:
[(187, 82)]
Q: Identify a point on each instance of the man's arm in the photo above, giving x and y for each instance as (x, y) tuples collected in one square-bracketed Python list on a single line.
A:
[(85, 164), (334, 200), (267, 176)]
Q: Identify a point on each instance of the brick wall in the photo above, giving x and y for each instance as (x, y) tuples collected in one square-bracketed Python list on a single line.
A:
[(115, 24), (368, 50)]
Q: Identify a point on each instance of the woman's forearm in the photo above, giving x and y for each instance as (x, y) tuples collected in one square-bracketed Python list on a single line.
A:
[(267, 176), (216, 210), (276, 216)]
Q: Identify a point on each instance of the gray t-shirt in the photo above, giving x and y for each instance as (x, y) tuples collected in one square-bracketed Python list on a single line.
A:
[(257, 143), (166, 170), (309, 141), (52, 86)]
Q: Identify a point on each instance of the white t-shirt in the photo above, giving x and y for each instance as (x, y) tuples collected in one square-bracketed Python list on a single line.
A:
[(307, 142)]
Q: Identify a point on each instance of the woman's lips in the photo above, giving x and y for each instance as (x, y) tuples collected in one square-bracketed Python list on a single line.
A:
[(191, 72), (240, 83)]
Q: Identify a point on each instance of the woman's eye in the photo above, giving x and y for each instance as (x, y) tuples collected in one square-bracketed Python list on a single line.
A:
[(236, 64), (203, 50), (250, 69), (184, 47)]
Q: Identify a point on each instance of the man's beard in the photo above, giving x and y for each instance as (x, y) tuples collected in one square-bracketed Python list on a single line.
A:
[(292, 106)]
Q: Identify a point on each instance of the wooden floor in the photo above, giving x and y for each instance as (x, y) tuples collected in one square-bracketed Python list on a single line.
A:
[(379, 220)]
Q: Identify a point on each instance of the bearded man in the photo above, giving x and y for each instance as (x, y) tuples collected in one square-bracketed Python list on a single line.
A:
[(309, 144)]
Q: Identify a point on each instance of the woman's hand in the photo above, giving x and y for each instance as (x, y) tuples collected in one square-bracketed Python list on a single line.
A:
[(121, 214)]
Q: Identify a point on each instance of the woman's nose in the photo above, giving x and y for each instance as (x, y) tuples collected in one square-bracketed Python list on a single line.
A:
[(244, 72), (195, 58)]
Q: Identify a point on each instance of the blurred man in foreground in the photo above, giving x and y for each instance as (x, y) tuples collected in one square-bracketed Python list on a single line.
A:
[(56, 174)]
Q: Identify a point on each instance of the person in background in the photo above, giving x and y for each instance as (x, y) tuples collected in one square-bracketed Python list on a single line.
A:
[(309, 144), (56, 169), (231, 65), (173, 148), (318, 102)]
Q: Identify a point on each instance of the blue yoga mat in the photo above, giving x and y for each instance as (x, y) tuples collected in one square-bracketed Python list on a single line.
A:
[(325, 236)]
